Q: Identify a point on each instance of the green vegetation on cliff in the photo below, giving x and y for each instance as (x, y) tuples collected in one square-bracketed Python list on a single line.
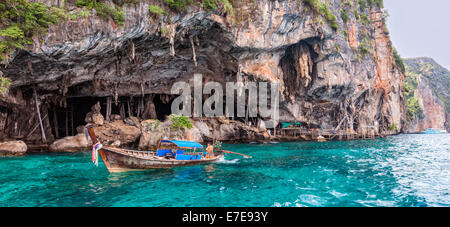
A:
[(323, 9), (180, 121), (412, 102), (104, 10), (344, 15), (21, 20), (371, 3), (398, 60), (4, 85), (156, 10), (393, 127), (180, 5)]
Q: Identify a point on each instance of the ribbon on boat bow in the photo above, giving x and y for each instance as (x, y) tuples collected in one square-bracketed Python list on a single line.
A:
[(95, 148)]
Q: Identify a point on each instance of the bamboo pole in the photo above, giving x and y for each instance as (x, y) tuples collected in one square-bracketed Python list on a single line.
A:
[(37, 125), (67, 122), (122, 111), (130, 114), (39, 117), (246, 111), (71, 119), (274, 128), (108, 108), (55, 122)]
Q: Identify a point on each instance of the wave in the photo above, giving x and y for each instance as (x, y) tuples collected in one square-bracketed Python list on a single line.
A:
[(222, 160)]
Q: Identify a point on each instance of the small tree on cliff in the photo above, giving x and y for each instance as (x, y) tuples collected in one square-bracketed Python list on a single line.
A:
[(180, 121), (4, 85)]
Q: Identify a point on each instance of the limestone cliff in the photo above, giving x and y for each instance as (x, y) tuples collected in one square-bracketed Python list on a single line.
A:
[(427, 92), (333, 59)]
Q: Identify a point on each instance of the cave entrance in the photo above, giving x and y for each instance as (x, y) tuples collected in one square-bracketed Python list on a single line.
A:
[(299, 65), (163, 105), (65, 120)]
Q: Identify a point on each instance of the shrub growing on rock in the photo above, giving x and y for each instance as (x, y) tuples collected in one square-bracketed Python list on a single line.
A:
[(180, 122)]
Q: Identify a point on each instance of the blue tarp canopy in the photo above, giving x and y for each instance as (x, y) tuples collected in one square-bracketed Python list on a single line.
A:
[(183, 144)]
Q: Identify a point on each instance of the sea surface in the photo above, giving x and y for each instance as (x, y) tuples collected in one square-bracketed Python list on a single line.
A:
[(399, 171)]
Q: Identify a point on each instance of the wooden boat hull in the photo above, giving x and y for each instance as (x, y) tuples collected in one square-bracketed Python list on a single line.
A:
[(118, 160)]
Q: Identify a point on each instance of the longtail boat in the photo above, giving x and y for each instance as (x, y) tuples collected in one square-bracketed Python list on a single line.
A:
[(123, 160)]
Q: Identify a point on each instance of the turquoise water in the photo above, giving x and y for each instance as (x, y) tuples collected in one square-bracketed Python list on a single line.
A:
[(405, 170)]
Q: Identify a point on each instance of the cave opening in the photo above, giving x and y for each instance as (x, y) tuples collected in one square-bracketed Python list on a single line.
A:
[(163, 105), (299, 65), (65, 120)]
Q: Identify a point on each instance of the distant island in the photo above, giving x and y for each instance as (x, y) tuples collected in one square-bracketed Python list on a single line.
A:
[(427, 94)]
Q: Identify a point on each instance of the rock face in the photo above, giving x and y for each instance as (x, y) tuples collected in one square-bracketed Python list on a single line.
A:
[(71, 144), (330, 78), (431, 92), (13, 148), (153, 131), (117, 130), (95, 116)]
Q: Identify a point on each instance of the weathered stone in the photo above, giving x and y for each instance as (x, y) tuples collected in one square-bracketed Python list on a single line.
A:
[(95, 118), (262, 125), (152, 131), (194, 135), (113, 131), (116, 143), (98, 119), (115, 117), (149, 111), (133, 121), (71, 144), (204, 129), (13, 148), (226, 132)]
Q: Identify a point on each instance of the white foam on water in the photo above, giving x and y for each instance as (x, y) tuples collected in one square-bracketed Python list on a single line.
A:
[(223, 161)]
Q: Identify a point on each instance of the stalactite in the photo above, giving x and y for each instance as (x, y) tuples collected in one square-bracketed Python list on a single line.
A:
[(118, 66), (197, 41), (116, 97), (132, 52), (64, 102), (194, 56), (116, 45), (171, 34), (108, 108)]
